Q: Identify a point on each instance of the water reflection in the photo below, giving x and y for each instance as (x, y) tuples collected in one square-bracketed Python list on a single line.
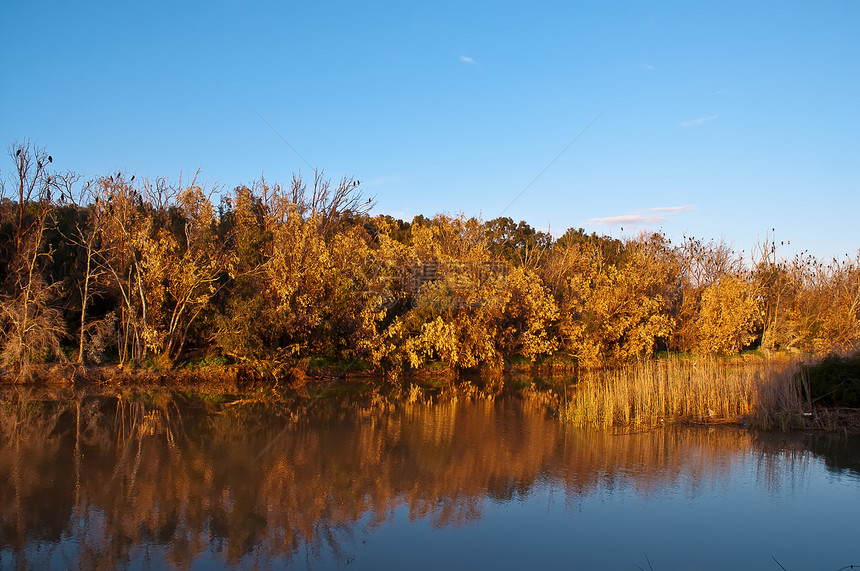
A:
[(106, 482)]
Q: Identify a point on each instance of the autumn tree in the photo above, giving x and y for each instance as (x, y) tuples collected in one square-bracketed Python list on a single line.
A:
[(826, 313), (468, 308), (529, 316), (197, 263), (616, 311), (298, 278), (125, 237), (716, 309), (158, 244), (728, 316), (447, 261)]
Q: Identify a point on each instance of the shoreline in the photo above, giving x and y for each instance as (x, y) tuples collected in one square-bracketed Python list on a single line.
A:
[(556, 385)]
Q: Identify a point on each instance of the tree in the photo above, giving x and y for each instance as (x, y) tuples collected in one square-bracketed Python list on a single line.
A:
[(297, 279), (728, 316), (196, 263), (613, 312), (777, 284), (124, 236), (80, 228), (32, 327), (467, 308), (702, 266), (515, 243), (832, 306)]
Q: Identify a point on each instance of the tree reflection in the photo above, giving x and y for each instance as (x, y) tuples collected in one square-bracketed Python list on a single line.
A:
[(98, 482)]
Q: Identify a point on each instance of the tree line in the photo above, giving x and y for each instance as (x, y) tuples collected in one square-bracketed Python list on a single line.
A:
[(130, 270)]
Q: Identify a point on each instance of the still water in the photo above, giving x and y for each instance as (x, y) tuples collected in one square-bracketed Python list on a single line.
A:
[(167, 482)]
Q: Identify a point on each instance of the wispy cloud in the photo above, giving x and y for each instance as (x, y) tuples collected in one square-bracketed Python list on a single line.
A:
[(654, 216), (468, 59), (647, 66), (629, 219), (697, 122)]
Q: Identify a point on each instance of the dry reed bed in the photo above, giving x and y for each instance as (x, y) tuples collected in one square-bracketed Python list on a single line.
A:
[(649, 393)]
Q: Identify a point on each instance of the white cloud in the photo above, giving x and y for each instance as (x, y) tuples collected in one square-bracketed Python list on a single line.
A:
[(697, 122), (629, 219), (648, 66), (657, 214), (670, 210), (468, 59)]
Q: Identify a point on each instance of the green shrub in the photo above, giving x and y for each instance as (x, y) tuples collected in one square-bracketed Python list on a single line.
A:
[(835, 380)]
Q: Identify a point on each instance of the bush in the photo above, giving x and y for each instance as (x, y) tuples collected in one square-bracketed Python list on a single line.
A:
[(835, 380)]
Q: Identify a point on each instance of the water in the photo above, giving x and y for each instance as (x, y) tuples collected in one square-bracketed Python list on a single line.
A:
[(105, 483)]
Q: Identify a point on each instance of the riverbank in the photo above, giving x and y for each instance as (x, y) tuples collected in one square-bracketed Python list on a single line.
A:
[(302, 376), (757, 390)]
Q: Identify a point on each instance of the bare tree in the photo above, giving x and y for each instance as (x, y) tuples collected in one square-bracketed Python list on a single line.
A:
[(32, 326), (777, 282), (86, 236), (328, 204)]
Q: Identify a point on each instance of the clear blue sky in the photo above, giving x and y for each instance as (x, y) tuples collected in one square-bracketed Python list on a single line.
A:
[(720, 119)]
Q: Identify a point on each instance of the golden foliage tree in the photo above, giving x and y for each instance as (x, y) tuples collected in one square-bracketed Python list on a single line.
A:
[(124, 235), (617, 311), (779, 289), (160, 249), (831, 306), (471, 309), (728, 316), (298, 281), (701, 265), (196, 262)]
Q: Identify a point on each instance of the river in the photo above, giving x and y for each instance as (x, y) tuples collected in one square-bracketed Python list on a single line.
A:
[(162, 481)]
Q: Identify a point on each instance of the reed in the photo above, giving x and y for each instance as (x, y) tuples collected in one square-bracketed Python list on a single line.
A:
[(650, 393)]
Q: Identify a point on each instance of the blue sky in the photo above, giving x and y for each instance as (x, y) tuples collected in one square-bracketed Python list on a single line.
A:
[(719, 119)]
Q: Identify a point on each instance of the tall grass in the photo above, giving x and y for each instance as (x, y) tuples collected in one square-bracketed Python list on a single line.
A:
[(649, 393)]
